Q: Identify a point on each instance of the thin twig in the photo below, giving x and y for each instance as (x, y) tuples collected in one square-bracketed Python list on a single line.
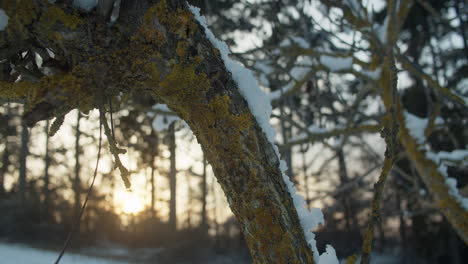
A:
[(111, 117), (77, 221), (390, 134)]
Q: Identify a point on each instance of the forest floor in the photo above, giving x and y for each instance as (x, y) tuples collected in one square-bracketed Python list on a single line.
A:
[(25, 254)]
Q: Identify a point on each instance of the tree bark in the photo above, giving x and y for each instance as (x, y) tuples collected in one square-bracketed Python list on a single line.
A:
[(161, 50), (6, 152), (22, 162), (286, 150), (76, 182), (153, 191), (46, 189), (346, 197), (204, 222), (402, 227), (5, 164), (306, 176), (172, 179)]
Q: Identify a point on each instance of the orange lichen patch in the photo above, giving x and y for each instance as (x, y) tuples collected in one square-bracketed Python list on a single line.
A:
[(181, 49), (149, 34)]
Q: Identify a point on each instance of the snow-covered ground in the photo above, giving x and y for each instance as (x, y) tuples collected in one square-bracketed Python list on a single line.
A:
[(23, 254), (19, 254)]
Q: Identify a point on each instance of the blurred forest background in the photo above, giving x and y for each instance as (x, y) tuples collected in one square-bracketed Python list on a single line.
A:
[(327, 116)]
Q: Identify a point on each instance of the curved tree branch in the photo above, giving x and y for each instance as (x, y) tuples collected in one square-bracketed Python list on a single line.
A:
[(160, 50)]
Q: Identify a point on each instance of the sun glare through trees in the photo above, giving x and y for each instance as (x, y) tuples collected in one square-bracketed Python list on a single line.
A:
[(247, 131)]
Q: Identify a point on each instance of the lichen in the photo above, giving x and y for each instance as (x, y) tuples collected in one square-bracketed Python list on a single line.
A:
[(27, 13), (54, 14), (180, 21)]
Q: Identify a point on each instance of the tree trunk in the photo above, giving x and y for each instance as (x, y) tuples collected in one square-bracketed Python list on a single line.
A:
[(204, 222), (286, 151), (346, 198), (188, 177), (76, 182), (172, 179), (6, 152), (215, 214), (402, 227), (46, 189), (306, 176), (22, 162), (153, 191), (4, 168), (166, 54)]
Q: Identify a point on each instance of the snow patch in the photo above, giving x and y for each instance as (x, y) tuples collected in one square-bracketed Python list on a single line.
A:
[(3, 20), (302, 68), (275, 95), (381, 30), (297, 73), (262, 67), (336, 63), (374, 75), (20, 254), (312, 129), (328, 257), (260, 107), (257, 100), (301, 42), (162, 122), (297, 40), (86, 5), (356, 8), (416, 127), (115, 11), (443, 157)]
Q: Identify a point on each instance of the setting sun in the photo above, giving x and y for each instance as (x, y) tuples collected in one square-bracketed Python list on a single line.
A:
[(129, 202)]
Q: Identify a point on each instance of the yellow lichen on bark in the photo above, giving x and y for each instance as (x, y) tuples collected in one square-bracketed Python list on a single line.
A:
[(180, 21), (169, 57), (65, 87), (23, 13)]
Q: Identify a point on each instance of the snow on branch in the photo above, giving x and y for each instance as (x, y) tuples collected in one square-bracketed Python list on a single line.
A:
[(416, 127), (441, 159), (260, 106), (334, 63), (3, 20), (315, 133), (86, 5)]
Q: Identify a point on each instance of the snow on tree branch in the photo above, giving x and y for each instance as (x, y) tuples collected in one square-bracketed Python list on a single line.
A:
[(260, 107)]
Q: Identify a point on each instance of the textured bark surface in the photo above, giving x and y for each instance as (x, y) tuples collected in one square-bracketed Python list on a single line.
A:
[(172, 178), (24, 150), (157, 48), (429, 172), (436, 183)]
